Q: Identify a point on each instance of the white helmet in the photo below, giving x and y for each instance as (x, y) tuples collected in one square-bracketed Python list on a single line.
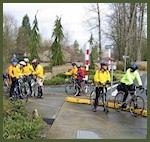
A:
[(22, 63), (26, 60)]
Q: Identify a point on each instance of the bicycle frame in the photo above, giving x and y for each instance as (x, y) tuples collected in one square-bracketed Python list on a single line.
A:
[(103, 94), (131, 97), (133, 102), (102, 97)]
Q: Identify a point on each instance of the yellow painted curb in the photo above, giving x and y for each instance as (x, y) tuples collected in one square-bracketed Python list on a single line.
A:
[(110, 104)]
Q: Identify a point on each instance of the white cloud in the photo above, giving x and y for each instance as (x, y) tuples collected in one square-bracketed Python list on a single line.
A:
[(72, 15)]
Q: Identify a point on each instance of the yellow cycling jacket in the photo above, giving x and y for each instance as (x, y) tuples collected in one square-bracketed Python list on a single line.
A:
[(39, 71), (28, 69), (72, 72), (101, 77), (13, 71), (20, 70)]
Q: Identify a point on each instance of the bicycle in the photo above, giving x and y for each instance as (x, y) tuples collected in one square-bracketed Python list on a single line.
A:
[(73, 88), (6, 82), (21, 90), (102, 98), (134, 102), (35, 88), (24, 87)]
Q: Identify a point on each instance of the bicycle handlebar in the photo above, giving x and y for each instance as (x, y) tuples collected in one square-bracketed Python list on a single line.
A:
[(103, 84), (141, 89)]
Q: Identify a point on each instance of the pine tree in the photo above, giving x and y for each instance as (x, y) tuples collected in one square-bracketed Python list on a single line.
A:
[(24, 34), (92, 65), (76, 46), (57, 55), (34, 40)]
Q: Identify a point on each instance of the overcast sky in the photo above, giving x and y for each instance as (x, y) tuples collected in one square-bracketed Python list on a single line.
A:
[(73, 15)]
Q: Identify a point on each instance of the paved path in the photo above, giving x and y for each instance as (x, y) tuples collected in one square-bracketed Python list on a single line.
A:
[(76, 118), (73, 121)]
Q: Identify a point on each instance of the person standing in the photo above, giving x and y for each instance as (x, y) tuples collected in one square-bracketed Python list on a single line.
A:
[(14, 75), (27, 71), (39, 73), (102, 76)]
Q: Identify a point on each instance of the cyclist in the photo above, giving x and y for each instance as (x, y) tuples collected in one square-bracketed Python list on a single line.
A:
[(101, 76), (127, 81), (80, 76), (83, 68), (27, 71), (73, 71), (39, 73), (14, 75)]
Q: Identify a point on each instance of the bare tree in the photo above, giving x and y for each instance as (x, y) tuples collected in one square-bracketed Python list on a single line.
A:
[(9, 36), (140, 31), (126, 29), (94, 22)]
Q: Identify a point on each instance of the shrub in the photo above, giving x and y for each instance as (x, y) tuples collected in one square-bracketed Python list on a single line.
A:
[(47, 68), (91, 72), (55, 81), (18, 123), (118, 75), (142, 67), (120, 66), (61, 75)]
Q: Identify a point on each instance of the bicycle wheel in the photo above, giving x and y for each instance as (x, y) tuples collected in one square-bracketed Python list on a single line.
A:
[(35, 90), (137, 106), (118, 101), (25, 91), (71, 90), (92, 98), (26, 97), (15, 95), (87, 90), (34, 86), (105, 103)]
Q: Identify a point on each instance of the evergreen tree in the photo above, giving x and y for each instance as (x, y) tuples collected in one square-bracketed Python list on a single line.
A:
[(34, 40), (57, 55), (76, 46), (92, 65), (24, 35)]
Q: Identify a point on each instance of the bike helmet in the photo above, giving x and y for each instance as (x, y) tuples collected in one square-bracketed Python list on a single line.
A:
[(22, 63), (78, 66), (14, 60), (134, 66), (104, 63), (73, 64), (26, 60)]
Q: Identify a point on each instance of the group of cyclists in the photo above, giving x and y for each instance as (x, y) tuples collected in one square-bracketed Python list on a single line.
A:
[(28, 71), (102, 76)]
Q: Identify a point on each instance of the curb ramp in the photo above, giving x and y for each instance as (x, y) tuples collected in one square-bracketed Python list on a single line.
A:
[(110, 104)]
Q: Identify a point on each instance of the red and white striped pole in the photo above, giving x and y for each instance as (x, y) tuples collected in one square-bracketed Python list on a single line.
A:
[(87, 57)]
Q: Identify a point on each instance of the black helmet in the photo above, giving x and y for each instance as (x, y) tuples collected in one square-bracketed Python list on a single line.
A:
[(134, 66), (104, 63), (78, 66), (73, 64)]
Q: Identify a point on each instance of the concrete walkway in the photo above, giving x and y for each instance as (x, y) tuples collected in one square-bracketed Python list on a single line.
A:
[(78, 121)]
